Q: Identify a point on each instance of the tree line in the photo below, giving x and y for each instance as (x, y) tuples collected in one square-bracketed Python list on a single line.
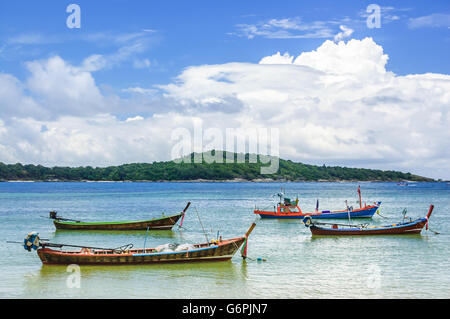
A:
[(185, 171)]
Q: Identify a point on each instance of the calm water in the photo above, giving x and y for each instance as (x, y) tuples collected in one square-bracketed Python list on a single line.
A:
[(297, 266)]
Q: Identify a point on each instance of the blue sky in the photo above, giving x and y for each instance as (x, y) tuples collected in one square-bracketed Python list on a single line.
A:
[(115, 90), (205, 32)]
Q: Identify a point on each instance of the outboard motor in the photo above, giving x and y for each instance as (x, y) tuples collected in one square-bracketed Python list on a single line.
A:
[(31, 241)]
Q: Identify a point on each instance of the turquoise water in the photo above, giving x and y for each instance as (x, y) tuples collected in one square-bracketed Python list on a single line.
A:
[(296, 266)]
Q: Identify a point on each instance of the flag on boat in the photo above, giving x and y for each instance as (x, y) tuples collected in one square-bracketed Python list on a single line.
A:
[(244, 249), (182, 218)]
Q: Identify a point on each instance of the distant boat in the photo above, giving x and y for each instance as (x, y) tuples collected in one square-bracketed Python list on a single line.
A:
[(402, 184), (288, 209), (160, 223), (402, 228)]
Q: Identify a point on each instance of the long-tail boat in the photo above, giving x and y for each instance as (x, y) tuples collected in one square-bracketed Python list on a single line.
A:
[(163, 222), (402, 228), (289, 209), (216, 250)]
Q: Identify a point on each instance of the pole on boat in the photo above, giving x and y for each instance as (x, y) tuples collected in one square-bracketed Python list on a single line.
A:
[(244, 247), (204, 232), (404, 214), (47, 244), (145, 240), (249, 231), (348, 214), (184, 213), (429, 214), (359, 192)]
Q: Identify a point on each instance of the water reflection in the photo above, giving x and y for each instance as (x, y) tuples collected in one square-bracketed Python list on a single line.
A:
[(132, 233), (367, 237), (51, 280)]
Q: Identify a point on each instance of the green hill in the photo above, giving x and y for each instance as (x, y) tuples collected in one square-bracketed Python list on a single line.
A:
[(172, 171)]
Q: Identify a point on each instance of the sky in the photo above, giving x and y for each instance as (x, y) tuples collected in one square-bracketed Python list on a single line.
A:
[(340, 88)]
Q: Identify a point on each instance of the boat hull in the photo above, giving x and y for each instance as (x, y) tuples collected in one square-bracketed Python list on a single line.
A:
[(414, 227), (204, 252), (365, 212), (156, 223)]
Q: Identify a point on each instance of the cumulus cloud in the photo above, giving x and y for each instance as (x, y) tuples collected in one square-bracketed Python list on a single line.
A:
[(277, 58), (64, 88), (14, 101), (338, 105), (362, 57)]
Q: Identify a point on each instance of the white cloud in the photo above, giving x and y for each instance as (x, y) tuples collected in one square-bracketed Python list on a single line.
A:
[(139, 90), (388, 14), (345, 33), (61, 86), (287, 28), (362, 57), (142, 64), (14, 101), (99, 140), (336, 105), (136, 118), (104, 38), (277, 58), (434, 20), (126, 46), (97, 62), (33, 38)]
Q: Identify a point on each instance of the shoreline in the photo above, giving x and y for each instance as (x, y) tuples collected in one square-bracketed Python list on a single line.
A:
[(236, 180)]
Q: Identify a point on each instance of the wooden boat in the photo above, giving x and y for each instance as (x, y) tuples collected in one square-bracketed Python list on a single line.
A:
[(164, 222), (216, 250), (402, 228), (287, 209)]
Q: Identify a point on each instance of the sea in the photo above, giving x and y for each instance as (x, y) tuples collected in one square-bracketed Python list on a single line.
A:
[(284, 260)]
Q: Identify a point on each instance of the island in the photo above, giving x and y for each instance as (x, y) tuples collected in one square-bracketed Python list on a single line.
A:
[(187, 169)]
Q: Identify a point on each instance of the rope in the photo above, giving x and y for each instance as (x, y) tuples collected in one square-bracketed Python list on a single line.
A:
[(206, 236), (435, 232), (124, 247), (378, 213)]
